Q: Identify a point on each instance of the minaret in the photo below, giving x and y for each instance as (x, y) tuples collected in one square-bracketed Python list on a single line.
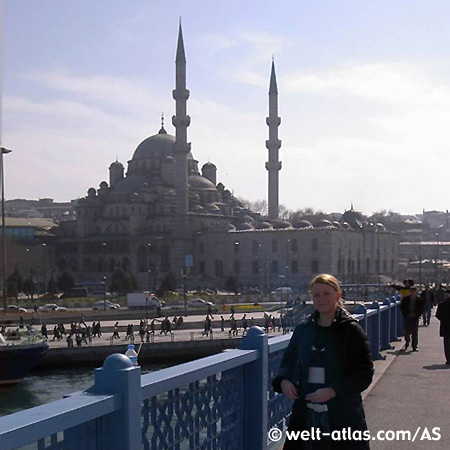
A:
[(273, 144), (181, 147)]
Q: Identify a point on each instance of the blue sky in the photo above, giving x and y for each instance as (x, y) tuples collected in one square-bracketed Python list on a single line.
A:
[(364, 95)]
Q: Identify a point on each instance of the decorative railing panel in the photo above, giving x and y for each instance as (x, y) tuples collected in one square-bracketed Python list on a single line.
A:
[(206, 414)]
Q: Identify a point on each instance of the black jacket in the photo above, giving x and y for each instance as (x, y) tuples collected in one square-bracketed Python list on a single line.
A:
[(443, 314), (348, 370), (418, 307)]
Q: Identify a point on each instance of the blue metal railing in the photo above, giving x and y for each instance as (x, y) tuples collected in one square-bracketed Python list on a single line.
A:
[(220, 402)]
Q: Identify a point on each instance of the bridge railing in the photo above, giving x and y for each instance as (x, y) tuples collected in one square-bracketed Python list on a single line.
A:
[(220, 402)]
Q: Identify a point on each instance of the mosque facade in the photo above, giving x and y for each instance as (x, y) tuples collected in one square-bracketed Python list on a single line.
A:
[(165, 214)]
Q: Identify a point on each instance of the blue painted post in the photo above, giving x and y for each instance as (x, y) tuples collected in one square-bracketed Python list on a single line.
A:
[(361, 309), (121, 430), (386, 325), (255, 390), (375, 331), (400, 324), (393, 314)]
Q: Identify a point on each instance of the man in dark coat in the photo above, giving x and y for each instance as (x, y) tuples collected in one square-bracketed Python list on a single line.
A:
[(427, 296), (443, 314), (412, 308)]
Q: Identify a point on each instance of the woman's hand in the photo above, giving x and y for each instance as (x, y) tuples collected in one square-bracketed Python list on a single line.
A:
[(289, 390), (320, 396)]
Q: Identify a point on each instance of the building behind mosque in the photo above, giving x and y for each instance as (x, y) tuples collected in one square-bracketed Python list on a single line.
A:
[(164, 214)]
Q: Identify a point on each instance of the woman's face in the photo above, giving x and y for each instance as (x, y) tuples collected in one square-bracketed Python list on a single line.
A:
[(325, 298)]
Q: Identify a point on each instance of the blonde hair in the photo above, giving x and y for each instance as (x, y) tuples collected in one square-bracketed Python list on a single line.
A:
[(329, 280)]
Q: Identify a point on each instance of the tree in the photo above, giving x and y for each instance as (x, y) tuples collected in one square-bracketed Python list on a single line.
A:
[(29, 287), (169, 282), (65, 281), (51, 286), (14, 284), (122, 283), (232, 285)]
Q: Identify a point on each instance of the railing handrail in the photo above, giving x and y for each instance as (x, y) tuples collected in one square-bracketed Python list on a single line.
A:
[(164, 380), (50, 418)]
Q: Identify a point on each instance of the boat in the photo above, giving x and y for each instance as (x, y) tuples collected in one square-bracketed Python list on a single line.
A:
[(21, 349)]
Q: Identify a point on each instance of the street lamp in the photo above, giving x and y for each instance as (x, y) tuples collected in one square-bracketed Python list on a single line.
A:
[(437, 259), (104, 274), (44, 245), (4, 151)]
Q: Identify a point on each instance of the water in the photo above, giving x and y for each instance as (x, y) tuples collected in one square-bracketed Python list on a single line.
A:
[(43, 387)]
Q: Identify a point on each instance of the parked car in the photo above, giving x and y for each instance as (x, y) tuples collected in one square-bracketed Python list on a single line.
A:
[(282, 290), (100, 305), (199, 302), (52, 307), (15, 309)]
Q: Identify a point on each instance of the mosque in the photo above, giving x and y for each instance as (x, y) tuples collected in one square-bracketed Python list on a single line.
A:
[(164, 214)]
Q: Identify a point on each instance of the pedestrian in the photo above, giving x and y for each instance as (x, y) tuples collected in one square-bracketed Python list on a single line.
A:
[(404, 289), (44, 330), (325, 367), (439, 295), (207, 326), (427, 297), (244, 324), (232, 311), (411, 308), (69, 340), (210, 312), (99, 329), (116, 331), (443, 315), (222, 323)]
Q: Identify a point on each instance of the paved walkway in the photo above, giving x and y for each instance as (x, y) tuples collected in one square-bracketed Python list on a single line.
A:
[(413, 391)]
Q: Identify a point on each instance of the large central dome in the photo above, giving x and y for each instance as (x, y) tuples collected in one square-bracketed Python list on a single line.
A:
[(158, 146)]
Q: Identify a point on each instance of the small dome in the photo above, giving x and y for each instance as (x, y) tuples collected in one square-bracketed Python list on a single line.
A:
[(209, 165), (380, 227), (370, 227), (199, 182), (337, 225), (244, 226), (116, 165), (324, 223), (103, 185), (131, 183), (282, 225), (263, 226), (245, 219), (346, 226), (302, 224)]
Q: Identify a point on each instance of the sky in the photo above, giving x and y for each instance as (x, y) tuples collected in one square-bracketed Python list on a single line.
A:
[(364, 95)]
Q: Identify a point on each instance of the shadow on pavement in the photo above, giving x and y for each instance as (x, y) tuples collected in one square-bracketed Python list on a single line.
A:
[(437, 367)]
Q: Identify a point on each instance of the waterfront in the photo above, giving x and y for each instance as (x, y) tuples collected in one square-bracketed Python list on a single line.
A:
[(42, 387)]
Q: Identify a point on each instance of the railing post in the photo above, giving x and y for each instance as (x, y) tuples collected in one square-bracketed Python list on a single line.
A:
[(393, 314), (375, 331), (400, 325), (361, 309), (386, 325), (122, 429), (255, 390)]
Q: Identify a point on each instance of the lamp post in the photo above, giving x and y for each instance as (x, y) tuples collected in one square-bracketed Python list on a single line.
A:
[(437, 259), (104, 274), (4, 151), (44, 268)]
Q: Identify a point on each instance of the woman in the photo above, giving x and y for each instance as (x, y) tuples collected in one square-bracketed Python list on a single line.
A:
[(324, 369)]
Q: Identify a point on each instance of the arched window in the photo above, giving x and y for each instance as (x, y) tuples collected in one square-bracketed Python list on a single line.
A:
[(87, 265), (274, 267), (294, 246), (126, 264), (142, 259), (274, 246), (218, 268)]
